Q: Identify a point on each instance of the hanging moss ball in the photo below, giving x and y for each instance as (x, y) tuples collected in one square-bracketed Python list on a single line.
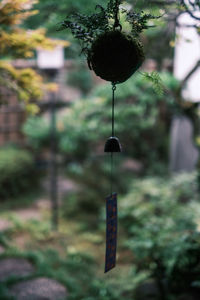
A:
[(115, 56)]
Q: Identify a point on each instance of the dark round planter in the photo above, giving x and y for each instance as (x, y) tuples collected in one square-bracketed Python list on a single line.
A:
[(115, 56)]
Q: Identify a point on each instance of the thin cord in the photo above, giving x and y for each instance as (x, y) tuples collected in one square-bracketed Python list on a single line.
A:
[(113, 133), (113, 108), (117, 19)]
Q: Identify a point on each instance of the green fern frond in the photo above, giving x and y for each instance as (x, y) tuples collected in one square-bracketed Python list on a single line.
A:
[(156, 81)]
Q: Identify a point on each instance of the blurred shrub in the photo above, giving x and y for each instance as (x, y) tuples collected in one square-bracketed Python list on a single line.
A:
[(80, 78), (16, 171), (162, 232), (142, 123), (141, 128), (37, 131), (78, 271), (93, 179)]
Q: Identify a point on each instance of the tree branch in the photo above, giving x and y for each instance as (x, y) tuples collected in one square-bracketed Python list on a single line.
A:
[(187, 77), (160, 2), (187, 26), (189, 11)]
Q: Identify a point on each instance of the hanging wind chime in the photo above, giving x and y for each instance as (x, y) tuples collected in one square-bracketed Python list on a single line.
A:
[(114, 55)]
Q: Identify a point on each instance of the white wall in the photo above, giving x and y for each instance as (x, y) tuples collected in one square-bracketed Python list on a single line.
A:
[(187, 53)]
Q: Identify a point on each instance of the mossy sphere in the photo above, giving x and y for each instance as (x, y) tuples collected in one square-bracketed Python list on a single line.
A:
[(115, 56)]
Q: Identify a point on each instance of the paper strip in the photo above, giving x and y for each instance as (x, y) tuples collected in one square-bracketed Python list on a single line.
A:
[(111, 232)]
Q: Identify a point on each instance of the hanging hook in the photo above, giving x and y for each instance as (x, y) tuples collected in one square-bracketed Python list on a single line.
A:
[(114, 86), (117, 22)]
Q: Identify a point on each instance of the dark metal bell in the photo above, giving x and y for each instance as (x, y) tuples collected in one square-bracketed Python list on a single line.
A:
[(112, 145)]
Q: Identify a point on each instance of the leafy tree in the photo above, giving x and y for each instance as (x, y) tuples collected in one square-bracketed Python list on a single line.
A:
[(16, 42)]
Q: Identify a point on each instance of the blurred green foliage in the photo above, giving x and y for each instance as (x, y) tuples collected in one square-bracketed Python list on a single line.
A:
[(142, 125), (162, 232), (76, 271), (16, 171), (80, 78), (139, 124), (93, 179), (37, 131)]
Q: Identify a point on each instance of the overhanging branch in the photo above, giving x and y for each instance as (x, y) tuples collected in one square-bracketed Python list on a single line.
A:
[(192, 71)]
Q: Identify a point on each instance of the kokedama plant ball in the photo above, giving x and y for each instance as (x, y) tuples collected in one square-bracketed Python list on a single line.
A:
[(115, 56)]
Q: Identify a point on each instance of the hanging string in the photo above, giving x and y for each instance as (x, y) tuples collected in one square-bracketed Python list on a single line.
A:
[(113, 109), (117, 21), (113, 134)]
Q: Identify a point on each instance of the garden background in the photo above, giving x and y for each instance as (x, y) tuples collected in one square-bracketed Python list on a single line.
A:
[(54, 175)]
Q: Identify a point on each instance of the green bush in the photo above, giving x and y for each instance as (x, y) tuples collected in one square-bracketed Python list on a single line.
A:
[(144, 137), (83, 130), (16, 171), (80, 78), (162, 232), (93, 179), (37, 131), (87, 123)]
